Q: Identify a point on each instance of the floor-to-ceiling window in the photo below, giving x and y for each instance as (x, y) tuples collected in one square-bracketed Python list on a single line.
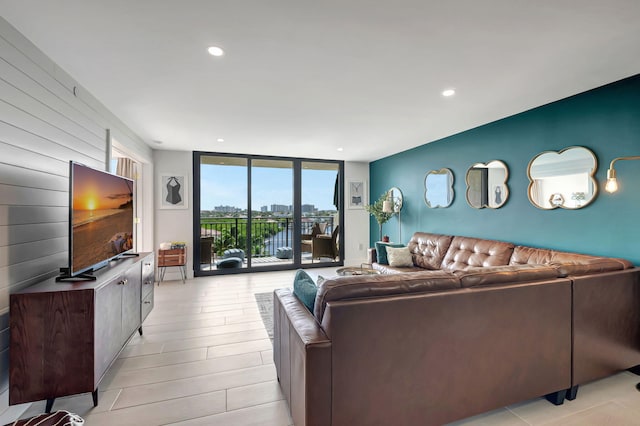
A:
[(265, 213)]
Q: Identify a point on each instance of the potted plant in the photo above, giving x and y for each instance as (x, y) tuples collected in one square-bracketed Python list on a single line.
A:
[(376, 210)]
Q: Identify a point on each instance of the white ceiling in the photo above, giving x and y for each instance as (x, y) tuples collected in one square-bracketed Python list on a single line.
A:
[(303, 78)]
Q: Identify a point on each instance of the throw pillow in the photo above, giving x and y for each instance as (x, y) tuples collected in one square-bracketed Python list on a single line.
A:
[(381, 251), (399, 257), (305, 289)]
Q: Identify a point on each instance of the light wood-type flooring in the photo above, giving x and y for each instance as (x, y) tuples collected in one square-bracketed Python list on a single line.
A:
[(205, 359)]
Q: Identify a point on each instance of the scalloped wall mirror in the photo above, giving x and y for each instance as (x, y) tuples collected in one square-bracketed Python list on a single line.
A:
[(563, 178), (487, 185), (438, 188)]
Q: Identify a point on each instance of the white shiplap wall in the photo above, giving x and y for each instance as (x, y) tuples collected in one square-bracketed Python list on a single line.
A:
[(43, 125)]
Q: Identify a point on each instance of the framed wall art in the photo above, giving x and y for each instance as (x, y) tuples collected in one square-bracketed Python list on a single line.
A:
[(356, 194), (173, 191)]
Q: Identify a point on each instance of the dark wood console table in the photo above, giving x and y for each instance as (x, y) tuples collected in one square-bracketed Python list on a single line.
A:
[(65, 335)]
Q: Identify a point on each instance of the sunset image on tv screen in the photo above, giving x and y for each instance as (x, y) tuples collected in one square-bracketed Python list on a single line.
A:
[(102, 218)]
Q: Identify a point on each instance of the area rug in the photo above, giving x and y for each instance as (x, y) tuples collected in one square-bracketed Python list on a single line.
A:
[(265, 306)]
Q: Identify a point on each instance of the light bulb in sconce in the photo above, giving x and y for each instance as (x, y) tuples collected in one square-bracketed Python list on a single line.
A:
[(612, 182), (611, 185)]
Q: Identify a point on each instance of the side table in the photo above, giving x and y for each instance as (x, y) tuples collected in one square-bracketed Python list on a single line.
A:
[(173, 257)]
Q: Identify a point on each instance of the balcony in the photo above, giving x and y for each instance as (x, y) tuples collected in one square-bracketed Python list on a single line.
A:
[(267, 235)]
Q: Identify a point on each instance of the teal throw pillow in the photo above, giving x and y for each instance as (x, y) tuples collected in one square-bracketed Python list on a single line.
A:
[(305, 289), (381, 251)]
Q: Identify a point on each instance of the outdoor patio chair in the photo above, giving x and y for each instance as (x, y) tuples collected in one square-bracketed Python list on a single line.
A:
[(306, 245), (326, 245), (205, 250)]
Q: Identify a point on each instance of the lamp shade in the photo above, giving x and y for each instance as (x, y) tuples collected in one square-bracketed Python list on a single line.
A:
[(387, 206)]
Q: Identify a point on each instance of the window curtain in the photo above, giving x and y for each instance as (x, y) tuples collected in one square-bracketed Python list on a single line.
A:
[(126, 167)]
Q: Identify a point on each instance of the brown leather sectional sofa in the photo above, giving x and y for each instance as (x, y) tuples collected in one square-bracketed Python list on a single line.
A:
[(474, 325)]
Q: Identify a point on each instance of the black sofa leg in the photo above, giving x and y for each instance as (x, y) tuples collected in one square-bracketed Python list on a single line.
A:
[(49, 405), (556, 398), (572, 393), (635, 370)]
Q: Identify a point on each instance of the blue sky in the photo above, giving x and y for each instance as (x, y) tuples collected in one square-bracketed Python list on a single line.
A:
[(227, 185)]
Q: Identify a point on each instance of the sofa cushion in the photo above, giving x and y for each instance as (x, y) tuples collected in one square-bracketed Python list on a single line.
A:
[(465, 252), (565, 262), (381, 251), (593, 265), (360, 286), (479, 276), (399, 257), (529, 255), (305, 289), (429, 249)]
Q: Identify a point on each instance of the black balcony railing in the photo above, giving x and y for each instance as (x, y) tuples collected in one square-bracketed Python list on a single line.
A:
[(267, 234)]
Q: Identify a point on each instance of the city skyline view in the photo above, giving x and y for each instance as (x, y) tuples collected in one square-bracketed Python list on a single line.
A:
[(226, 185)]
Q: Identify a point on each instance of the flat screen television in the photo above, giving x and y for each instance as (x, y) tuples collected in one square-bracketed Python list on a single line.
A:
[(100, 219)]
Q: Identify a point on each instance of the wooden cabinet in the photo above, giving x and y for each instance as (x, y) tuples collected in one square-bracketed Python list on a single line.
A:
[(148, 278), (131, 299), (65, 335)]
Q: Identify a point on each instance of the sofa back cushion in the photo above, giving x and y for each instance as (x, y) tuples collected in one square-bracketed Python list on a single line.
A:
[(381, 251), (465, 252), (475, 277), (567, 263), (428, 250), (360, 286)]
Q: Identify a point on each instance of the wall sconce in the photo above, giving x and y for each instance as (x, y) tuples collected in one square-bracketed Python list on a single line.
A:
[(612, 181)]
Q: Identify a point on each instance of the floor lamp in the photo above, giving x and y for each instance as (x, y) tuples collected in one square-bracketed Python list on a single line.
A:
[(612, 186), (387, 205), (393, 204)]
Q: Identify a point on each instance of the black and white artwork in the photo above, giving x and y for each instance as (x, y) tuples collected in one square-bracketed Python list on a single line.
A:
[(356, 195), (173, 191)]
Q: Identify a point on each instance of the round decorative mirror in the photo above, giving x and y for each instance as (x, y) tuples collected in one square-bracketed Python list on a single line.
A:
[(487, 185), (438, 188), (563, 179), (395, 199)]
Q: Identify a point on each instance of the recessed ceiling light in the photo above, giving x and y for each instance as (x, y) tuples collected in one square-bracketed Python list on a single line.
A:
[(215, 51), (340, 149), (448, 92), (220, 140)]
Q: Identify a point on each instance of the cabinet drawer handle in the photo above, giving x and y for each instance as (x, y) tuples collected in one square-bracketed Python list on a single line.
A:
[(147, 303)]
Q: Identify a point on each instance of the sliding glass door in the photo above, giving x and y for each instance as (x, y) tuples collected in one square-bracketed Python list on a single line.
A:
[(265, 213), (272, 209), (320, 187)]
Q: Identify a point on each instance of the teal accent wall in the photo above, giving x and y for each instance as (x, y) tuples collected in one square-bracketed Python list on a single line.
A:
[(605, 120)]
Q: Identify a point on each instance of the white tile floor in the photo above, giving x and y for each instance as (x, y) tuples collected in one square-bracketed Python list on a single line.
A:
[(205, 359)]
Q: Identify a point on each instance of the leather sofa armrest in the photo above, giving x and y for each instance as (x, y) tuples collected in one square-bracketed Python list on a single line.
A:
[(302, 355), (372, 256)]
